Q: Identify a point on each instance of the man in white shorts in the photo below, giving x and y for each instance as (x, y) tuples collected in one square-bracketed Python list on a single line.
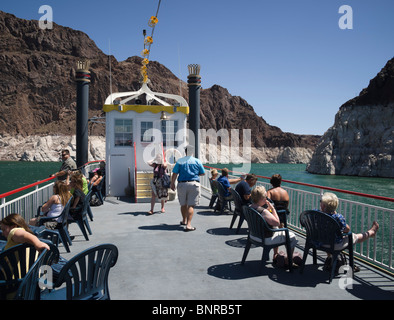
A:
[(188, 170)]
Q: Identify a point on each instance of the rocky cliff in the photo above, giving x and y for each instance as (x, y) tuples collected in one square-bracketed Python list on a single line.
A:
[(38, 96), (361, 140)]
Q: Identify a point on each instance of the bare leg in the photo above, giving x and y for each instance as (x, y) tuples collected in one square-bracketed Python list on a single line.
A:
[(162, 206), (152, 203), (187, 215), (368, 234)]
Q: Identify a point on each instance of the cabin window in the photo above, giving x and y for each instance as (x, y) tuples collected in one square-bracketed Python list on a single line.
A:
[(169, 128), (146, 136), (123, 132)]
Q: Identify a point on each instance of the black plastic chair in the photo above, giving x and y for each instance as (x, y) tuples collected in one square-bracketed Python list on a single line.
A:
[(100, 190), (224, 201), (257, 231), (29, 289), (53, 237), (15, 264), (238, 211), (86, 274), (281, 210), (62, 227), (82, 221), (321, 233), (214, 196)]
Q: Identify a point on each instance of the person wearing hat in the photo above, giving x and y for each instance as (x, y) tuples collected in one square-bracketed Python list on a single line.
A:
[(158, 189)]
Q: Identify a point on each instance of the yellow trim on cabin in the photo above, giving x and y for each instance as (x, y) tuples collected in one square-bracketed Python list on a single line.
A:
[(142, 108)]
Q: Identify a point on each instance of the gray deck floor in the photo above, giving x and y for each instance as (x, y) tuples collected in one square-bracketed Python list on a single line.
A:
[(159, 261)]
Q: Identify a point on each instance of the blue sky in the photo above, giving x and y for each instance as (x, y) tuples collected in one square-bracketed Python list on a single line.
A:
[(289, 59)]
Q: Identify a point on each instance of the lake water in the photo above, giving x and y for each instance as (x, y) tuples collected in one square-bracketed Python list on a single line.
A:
[(16, 174)]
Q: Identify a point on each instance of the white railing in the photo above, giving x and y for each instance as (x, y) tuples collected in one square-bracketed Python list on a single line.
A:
[(27, 204), (359, 216), (377, 251)]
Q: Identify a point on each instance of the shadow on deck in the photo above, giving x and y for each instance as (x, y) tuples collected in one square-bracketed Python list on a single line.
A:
[(159, 261)]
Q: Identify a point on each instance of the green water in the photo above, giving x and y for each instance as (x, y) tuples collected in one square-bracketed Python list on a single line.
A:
[(16, 174)]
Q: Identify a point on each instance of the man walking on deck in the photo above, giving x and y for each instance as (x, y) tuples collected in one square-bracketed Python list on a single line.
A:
[(188, 170)]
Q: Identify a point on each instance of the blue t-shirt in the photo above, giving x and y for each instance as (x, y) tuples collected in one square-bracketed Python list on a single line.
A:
[(226, 184), (188, 169)]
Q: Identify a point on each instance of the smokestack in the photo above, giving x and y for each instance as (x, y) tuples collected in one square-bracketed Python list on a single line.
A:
[(194, 84), (83, 82)]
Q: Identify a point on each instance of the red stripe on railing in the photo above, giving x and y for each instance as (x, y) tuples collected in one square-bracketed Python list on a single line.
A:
[(10, 193), (135, 173), (321, 187)]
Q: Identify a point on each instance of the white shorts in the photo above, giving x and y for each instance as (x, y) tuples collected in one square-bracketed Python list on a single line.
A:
[(188, 193)]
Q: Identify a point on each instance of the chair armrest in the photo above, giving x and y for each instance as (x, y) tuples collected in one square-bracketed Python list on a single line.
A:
[(46, 219), (279, 229), (350, 236)]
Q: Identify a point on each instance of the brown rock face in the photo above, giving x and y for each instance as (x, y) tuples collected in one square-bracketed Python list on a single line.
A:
[(38, 89), (361, 141)]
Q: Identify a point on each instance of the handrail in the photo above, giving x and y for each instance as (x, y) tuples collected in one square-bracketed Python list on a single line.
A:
[(366, 195), (135, 173), (377, 251), (10, 193)]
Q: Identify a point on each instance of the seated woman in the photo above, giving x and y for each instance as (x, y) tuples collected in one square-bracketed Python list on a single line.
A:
[(96, 179), (158, 189), (54, 206), (214, 176), (85, 183), (280, 198), (267, 210), (329, 205), (78, 196), (277, 194), (16, 230)]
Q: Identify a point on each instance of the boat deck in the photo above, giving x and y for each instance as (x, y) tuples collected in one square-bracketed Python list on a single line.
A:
[(159, 261)]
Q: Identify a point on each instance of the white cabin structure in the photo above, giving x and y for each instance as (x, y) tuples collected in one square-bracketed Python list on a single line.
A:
[(139, 125)]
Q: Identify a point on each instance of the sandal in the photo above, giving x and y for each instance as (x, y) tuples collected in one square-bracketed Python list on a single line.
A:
[(191, 229)]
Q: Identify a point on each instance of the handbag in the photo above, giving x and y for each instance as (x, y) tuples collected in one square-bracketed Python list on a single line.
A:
[(166, 180)]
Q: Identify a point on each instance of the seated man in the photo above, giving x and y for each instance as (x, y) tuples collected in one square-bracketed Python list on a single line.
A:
[(329, 205), (226, 182), (244, 188)]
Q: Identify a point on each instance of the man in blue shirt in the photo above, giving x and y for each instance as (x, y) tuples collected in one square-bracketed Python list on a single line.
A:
[(226, 182), (188, 171), (244, 188)]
